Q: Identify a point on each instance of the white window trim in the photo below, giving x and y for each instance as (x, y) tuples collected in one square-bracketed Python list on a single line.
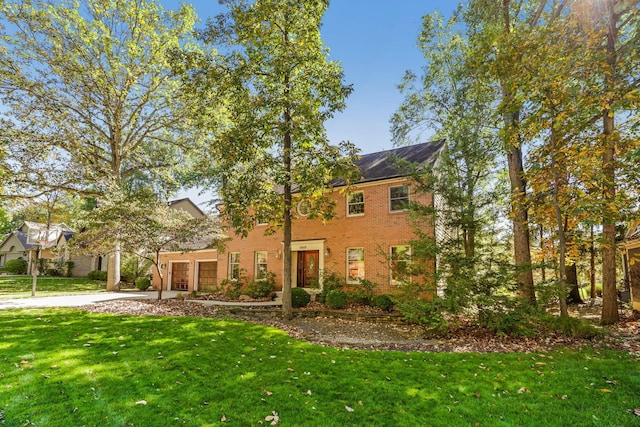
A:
[(349, 204), (389, 197), (255, 264), (349, 280), (229, 264)]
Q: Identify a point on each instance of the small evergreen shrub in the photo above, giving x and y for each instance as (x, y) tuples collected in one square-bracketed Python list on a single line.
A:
[(424, 312), (261, 288), (336, 299), (362, 292), (97, 275), (383, 302), (299, 297), (143, 283), (230, 288), (16, 266), (330, 281)]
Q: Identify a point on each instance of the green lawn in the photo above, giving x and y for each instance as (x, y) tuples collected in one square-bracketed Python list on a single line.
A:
[(69, 368), (20, 286)]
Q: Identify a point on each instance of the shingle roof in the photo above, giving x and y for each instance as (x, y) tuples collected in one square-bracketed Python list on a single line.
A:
[(386, 165)]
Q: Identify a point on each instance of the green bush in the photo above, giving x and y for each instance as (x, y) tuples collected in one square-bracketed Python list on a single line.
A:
[(16, 266), (362, 292), (384, 302), (509, 318), (230, 288), (97, 275), (143, 283), (261, 288), (299, 297), (571, 326), (336, 299), (424, 312), (69, 268), (330, 281)]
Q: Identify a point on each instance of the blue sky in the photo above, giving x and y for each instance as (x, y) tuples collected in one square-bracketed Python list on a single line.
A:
[(375, 41)]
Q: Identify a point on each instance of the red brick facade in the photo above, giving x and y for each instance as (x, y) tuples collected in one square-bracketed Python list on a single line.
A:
[(325, 244)]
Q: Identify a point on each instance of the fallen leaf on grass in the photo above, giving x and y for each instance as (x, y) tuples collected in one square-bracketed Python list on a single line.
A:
[(606, 390), (269, 393), (523, 390), (223, 419), (274, 418), (635, 412), (141, 402), (349, 409)]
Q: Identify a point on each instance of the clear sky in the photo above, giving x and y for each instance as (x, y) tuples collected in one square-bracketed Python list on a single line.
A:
[(375, 41)]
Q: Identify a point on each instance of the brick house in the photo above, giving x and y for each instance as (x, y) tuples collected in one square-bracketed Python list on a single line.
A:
[(630, 249), (371, 227)]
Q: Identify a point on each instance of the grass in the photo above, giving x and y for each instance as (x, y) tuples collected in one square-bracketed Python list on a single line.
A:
[(65, 367), (20, 286)]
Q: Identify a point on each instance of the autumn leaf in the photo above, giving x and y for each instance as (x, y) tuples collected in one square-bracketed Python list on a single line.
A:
[(223, 419), (606, 390), (274, 418), (349, 409), (141, 402)]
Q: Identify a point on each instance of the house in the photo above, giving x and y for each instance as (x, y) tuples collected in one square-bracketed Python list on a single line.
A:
[(630, 248), (367, 239), (52, 241)]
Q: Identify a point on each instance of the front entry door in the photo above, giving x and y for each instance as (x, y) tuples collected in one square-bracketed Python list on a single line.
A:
[(308, 268)]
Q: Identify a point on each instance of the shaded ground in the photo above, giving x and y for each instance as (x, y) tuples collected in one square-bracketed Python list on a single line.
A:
[(384, 333)]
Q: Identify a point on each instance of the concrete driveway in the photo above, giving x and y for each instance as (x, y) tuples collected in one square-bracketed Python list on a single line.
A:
[(78, 300)]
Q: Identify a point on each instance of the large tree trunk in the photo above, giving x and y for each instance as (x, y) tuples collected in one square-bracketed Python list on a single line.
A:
[(287, 310), (610, 313), (562, 240), (113, 270), (520, 222), (572, 282), (592, 264)]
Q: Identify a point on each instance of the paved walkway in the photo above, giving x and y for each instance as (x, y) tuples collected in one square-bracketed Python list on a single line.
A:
[(79, 300)]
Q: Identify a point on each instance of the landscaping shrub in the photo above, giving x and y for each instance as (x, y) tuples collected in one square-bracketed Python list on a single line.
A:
[(97, 275), (571, 326), (384, 302), (261, 288), (362, 292), (424, 312), (330, 281), (69, 268), (231, 288), (16, 266), (299, 297), (143, 283), (336, 299), (509, 318)]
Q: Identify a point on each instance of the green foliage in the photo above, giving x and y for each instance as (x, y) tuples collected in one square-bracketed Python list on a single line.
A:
[(142, 283), (362, 292), (231, 288), (509, 318), (330, 281), (261, 288), (424, 312), (336, 299), (97, 275), (384, 302), (133, 266), (20, 286), (16, 266), (571, 326), (299, 297)]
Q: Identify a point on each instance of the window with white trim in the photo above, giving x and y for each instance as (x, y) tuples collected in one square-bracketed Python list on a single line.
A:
[(398, 198), (355, 203), (234, 266), (261, 265), (355, 265), (400, 260)]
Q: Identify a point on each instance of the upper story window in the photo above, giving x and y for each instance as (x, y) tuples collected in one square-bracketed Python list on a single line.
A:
[(234, 266), (355, 203), (355, 265), (398, 198), (261, 265)]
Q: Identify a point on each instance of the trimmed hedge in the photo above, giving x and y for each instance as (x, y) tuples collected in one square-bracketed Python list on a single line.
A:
[(143, 283), (336, 299), (299, 297), (97, 275), (16, 266)]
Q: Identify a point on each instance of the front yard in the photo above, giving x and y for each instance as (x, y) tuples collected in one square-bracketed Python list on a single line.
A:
[(20, 286), (69, 367)]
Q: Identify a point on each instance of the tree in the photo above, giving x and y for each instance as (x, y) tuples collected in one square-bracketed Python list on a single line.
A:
[(465, 178), (89, 96), (145, 227), (276, 88)]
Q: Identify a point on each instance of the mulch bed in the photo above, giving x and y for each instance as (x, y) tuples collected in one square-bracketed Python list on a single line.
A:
[(373, 329)]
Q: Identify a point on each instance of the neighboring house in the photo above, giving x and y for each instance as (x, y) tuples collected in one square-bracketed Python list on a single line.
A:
[(631, 262), (367, 239), (52, 242)]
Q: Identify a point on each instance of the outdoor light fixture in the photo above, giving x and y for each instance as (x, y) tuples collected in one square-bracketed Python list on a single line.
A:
[(279, 253), (327, 251)]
